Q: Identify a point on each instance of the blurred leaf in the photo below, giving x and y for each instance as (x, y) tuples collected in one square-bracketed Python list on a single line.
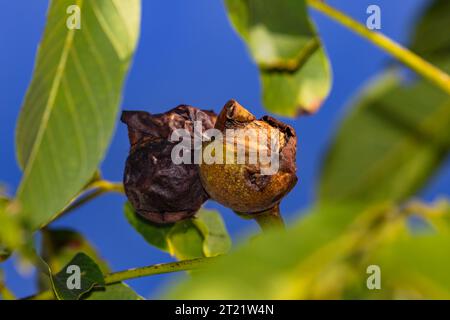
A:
[(396, 135), (90, 276), (416, 267), (389, 145), (436, 214), (5, 253), (5, 293), (430, 39), (441, 220), (290, 265), (70, 109), (11, 229), (204, 235), (116, 291), (294, 69)]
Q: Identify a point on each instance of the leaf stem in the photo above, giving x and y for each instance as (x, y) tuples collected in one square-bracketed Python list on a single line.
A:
[(410, 59), (158, 269), (270, 219), (92, 191), (95, 189)]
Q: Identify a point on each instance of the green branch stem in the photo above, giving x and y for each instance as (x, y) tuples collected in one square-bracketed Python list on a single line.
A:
[(92, 191), (170, 267), (162, 268), (410, 59)]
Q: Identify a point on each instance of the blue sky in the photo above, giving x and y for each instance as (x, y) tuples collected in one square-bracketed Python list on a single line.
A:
[(189, 54)]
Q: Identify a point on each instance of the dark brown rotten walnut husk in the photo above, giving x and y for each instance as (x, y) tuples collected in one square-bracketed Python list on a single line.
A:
[(158, 189), (243, 187)]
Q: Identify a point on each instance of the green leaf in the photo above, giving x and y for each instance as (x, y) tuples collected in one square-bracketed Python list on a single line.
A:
[(116, 291), (5, 293), (12, 234), (204, 235), (156, 235), (185, 241), (212, 227), (90, 276), (294, 69), (396, 135), (287, 265), (5, 253), (416, 268), (437, 215), (429, 40), (59, 246), (70, 109), (391, 142)]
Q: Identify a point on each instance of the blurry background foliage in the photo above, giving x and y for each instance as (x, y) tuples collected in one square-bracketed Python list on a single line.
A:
[(392, 140)]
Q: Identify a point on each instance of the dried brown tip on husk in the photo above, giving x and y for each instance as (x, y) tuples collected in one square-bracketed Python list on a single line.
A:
[(158, 189), (232, 116)]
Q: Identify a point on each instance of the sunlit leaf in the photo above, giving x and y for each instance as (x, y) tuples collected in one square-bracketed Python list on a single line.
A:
[(204, 235), (294, 69), (185, 241), (437, 215), (216, 239), (69, 112)]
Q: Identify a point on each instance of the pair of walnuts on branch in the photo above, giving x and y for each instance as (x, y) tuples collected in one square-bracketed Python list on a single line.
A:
[(164, 192)]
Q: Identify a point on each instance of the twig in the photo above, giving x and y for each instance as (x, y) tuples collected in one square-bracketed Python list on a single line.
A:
[(92, 191), (158, 269)]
